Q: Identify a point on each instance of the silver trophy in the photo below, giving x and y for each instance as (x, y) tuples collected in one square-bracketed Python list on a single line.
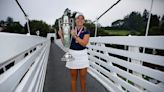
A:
[(65, 24)]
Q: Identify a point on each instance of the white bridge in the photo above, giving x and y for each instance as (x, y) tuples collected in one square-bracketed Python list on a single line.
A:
[(119, 63)]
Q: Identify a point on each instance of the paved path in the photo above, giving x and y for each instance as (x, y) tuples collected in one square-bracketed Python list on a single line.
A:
[(58, 78)]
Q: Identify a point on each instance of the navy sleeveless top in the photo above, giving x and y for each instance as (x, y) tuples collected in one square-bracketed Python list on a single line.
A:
[(77, 46)]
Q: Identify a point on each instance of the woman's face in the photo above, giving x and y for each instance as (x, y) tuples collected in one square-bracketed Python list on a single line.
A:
[(79, 21)]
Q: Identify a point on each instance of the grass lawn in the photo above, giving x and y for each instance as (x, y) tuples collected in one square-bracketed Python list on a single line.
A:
[(120, 32)]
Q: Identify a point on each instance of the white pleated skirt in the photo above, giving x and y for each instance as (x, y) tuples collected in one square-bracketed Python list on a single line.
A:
[(81, 59)]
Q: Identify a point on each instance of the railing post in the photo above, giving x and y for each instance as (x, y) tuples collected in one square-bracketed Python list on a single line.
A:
[(96, 24), (136, 50)]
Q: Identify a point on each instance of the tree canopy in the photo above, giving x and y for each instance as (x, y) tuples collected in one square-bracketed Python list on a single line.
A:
[(38, 25), (35, 25), (137, 22)]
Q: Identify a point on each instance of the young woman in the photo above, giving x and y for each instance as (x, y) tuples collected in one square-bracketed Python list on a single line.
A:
[(80, 38)]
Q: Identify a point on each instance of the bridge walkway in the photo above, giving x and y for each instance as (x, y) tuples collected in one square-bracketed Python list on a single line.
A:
[(58, 77)]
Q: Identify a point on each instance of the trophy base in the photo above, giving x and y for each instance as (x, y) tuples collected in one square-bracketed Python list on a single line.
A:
[(67, 57)]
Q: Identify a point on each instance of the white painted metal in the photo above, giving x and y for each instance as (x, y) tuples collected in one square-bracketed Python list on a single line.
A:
[(155, 59), (28, 72), (129, 76), (116, 80), (119, 80), (96, 24), (138, 68), (156, 42), (17, 45)]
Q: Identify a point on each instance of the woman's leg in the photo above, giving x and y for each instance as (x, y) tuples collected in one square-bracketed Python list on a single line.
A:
[(74, 75), (83, 74)]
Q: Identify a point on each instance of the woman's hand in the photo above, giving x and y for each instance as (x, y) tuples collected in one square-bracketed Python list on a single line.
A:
[(73, 33)]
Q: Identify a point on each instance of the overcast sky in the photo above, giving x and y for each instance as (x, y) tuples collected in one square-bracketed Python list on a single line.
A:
[(50, 10)]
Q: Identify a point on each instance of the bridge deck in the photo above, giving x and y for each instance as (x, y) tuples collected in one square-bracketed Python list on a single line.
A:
[(58, 78)]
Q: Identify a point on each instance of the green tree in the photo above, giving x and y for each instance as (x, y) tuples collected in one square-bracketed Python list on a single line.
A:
[(118, 24), (145, 15), (134, 22), (55, 25), (14, 27), (154, 25), (154, 22), (38, 25), (2, 25), (154, 28), (91, 26), (9, 20), (162, 26)]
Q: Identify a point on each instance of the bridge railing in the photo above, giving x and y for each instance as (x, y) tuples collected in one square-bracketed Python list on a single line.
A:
[(118, 62), (23, 62)]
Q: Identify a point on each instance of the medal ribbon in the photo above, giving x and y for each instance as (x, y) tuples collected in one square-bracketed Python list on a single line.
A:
[(79, 31)]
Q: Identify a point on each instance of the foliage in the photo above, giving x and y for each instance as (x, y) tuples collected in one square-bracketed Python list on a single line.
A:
[(55, 25), (15, 27), (118, 24), (91, 26), (154, 21), (38, 25), (116, 32), (133, 22), (136, 22), (11, 26)]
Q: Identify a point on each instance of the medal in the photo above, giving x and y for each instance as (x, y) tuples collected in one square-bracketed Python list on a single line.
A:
[(78, 34)]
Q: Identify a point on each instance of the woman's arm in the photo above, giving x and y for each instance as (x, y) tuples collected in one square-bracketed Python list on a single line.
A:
[(83, 41)]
